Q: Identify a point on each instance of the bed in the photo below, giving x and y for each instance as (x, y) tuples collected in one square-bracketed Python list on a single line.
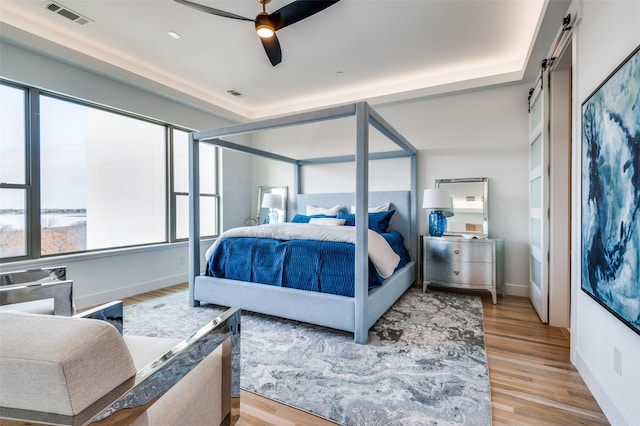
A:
[(355, 313)]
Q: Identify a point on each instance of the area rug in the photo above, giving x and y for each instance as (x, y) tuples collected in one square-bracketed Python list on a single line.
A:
[(425, 362)]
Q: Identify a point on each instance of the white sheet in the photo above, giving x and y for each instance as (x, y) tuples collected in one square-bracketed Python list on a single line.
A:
[(381, 254)]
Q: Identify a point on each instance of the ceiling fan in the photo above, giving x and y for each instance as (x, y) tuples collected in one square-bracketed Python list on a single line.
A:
[(268, 23)]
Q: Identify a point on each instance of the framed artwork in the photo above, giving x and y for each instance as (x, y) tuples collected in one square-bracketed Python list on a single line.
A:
[(611, 193)]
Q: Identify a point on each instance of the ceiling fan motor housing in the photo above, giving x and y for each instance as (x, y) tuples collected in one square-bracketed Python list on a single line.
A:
[(264, 27)]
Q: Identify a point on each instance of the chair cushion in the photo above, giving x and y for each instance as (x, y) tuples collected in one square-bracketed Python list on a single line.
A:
[(144, 350), (59, 364)]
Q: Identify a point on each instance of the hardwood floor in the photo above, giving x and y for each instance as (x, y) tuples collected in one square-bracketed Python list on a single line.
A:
[(532, 380)]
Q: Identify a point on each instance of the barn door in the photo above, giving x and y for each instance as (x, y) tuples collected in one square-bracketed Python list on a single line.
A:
[(539, 199)]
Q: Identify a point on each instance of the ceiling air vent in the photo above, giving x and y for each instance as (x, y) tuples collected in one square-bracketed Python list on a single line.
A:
[(67, 13), (234, 92)]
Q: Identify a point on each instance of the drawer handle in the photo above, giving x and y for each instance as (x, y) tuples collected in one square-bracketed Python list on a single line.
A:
[(456, 251), (456, 272)]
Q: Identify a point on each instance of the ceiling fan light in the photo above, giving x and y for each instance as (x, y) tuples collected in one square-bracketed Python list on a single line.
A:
[(265, 31), (263, 26)]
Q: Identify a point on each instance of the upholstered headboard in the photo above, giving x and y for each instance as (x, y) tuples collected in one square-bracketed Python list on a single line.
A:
[(400, 201)]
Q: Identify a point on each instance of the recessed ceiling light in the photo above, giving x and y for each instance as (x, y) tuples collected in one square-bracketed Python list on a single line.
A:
[(174, 34)]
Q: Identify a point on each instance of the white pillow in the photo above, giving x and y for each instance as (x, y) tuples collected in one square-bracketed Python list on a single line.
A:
[(313, 210), (381, 208), (326, 221)]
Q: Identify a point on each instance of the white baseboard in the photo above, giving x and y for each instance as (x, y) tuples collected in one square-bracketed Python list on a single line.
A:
[(516, 290), (130, 290), (608, 405)]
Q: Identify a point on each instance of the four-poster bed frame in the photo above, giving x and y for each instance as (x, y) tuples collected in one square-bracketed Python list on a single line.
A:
[(355, 314)]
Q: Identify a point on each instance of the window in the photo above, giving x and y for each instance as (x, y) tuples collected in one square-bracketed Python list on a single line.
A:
[(13, 173), (101, 178), (208, 186)]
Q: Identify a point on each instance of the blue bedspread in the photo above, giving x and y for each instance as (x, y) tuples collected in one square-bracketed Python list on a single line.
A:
[(326, 267)]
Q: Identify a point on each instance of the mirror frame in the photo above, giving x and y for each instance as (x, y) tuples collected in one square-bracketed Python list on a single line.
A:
[(485, 205), (261, 214)]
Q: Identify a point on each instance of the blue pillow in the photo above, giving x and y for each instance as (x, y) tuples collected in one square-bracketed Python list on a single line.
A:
[(300, 218), (378, 221)]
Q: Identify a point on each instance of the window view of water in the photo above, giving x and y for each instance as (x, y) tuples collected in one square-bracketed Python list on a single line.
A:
[(49, 220)]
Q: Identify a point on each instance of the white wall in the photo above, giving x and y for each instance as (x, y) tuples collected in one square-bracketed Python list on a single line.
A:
[(608, 33), (104, 276), (477, 134)]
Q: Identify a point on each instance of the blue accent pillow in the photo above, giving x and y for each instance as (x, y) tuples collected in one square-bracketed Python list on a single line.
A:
[(300, 218), (378, 221)]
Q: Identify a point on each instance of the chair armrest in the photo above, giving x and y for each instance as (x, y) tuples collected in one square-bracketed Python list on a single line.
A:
[(153, 381), (60, 291), (112, 312), (36, 284), (56, 273)]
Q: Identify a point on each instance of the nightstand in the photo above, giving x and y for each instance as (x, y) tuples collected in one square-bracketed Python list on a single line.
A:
[(474, 264)]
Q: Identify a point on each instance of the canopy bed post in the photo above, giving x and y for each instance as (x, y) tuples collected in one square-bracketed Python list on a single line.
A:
[(194, 216), (361, 330), (413, 242), (297, 184)]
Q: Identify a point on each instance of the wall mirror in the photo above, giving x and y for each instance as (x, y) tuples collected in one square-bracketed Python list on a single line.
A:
[(470, 205), (265, 205)]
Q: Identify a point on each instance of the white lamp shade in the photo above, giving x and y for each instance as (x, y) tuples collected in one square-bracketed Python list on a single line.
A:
[(437, 199), (447, 212), (272, 201)]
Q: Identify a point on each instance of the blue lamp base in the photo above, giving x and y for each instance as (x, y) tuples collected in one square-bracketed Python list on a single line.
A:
[(437, 223), (272, 217)]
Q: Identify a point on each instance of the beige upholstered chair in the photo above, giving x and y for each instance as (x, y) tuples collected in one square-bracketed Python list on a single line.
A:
[(71, 370)]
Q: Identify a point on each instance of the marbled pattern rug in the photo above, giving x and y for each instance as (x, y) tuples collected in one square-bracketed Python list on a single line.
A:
[(425, 362)]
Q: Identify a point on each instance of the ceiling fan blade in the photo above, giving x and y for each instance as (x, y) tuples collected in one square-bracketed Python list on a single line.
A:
[(297, 11), (272, 48), (212, 11)]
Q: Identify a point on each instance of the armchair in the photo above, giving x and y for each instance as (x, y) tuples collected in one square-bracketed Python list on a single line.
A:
[(76, 371)]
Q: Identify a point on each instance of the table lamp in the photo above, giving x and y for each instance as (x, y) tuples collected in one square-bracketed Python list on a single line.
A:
[(272, 202), (439, 202)]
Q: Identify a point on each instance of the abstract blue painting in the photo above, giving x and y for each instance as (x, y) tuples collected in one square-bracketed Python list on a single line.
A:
[(611, 193)]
